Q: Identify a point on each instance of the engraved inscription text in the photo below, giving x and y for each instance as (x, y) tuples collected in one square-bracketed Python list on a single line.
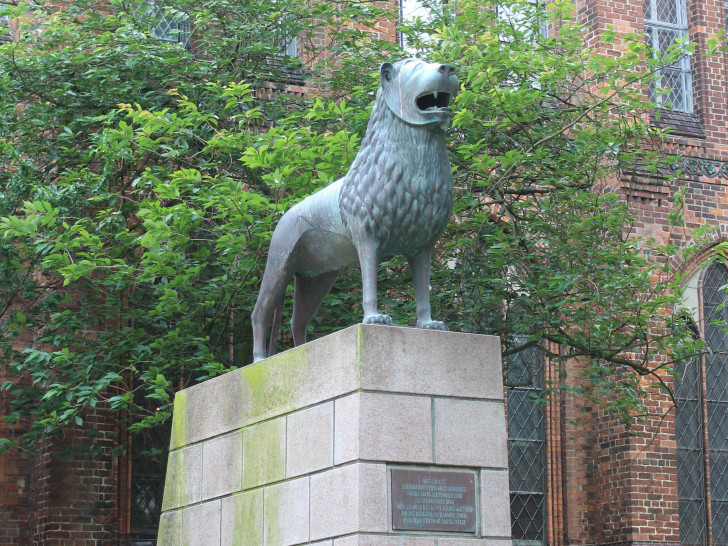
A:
[(425, 500)]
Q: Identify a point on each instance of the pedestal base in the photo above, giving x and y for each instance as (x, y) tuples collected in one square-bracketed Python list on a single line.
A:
[(372, 436)]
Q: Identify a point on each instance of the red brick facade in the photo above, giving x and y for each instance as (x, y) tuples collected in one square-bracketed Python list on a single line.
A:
[(620, 487), (57, 495), (15, 483), (605, 484)]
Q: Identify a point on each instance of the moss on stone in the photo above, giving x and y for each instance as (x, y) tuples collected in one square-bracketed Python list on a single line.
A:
[(248, 518), (274, 384), (264, 453), (175, 485), (170, 528), (179, 420)]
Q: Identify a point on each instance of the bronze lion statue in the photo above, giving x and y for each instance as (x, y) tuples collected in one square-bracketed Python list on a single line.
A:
[(395, 200)]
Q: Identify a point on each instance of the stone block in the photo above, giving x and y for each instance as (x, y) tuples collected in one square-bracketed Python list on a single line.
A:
[(395, 428), (346, 429), (495, 503), (470, 433), (474, 542), (347, 541), (242, 519), (214, 407), (183, 484), (411, 360), (178, 436), (310, 440), (201, 524), (349, 499), (315, 372), (264, 453), (335, 502), (170, 529), (286, 513), (373, 498), (222, 465), (379, 540), (265, 439)]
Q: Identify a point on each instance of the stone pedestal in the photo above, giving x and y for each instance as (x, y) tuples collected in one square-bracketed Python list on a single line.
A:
[(372, 436)]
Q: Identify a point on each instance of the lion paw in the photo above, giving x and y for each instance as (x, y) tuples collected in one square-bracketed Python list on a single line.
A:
[(433, 325), (378, 319)]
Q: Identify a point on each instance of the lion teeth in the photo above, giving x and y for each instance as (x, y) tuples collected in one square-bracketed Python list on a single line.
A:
[(436, 93)]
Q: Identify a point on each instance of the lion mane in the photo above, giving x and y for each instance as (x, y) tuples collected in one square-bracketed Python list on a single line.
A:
[(399, 184)]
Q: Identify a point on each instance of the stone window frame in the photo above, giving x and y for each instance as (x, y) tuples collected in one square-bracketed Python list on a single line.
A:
[(699, 427), (654, 27)]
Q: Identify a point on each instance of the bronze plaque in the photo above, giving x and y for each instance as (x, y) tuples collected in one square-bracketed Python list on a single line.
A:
[(430, 500)]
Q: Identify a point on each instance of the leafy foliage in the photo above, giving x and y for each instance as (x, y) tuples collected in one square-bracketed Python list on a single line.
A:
[(545, 253), (141, 180)]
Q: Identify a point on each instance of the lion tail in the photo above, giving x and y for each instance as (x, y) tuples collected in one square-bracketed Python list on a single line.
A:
[(275, 328)]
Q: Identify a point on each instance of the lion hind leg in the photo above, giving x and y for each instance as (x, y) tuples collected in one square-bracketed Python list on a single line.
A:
[(275, 329), (309, 292), (267, 310), (277, 275)]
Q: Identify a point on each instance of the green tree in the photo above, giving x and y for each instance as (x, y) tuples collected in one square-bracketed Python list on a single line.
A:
[(545, 253), (141, 179), (135, 208)]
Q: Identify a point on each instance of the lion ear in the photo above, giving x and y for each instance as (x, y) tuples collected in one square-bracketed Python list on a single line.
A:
[(386, 72)]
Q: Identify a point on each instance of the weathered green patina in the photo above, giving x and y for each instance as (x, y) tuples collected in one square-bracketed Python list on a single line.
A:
[(273, 387), (179, 421)]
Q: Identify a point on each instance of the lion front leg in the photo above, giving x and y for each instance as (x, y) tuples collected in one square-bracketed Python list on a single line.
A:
[(369, 262), (420, 267)]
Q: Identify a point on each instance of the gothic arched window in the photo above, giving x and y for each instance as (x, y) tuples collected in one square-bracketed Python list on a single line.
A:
[(701, 420)]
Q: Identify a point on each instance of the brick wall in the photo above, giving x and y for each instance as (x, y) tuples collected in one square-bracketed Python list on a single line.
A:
[(14, 490), (47, 497), (74, 491), (621, 486)]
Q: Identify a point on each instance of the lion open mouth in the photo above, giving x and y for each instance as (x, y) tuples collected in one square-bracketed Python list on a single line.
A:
[(433, 101)]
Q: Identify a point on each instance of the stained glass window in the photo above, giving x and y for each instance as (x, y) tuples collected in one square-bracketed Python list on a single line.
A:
[(410, 12), (665, 22), (519, 19), (171, 29), (526, 448)]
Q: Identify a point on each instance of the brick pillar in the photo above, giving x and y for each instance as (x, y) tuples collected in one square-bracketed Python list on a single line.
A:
[(14, 489), (74, 496)]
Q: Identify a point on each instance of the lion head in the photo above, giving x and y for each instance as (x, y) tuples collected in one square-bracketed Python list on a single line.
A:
[(419, 92)]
